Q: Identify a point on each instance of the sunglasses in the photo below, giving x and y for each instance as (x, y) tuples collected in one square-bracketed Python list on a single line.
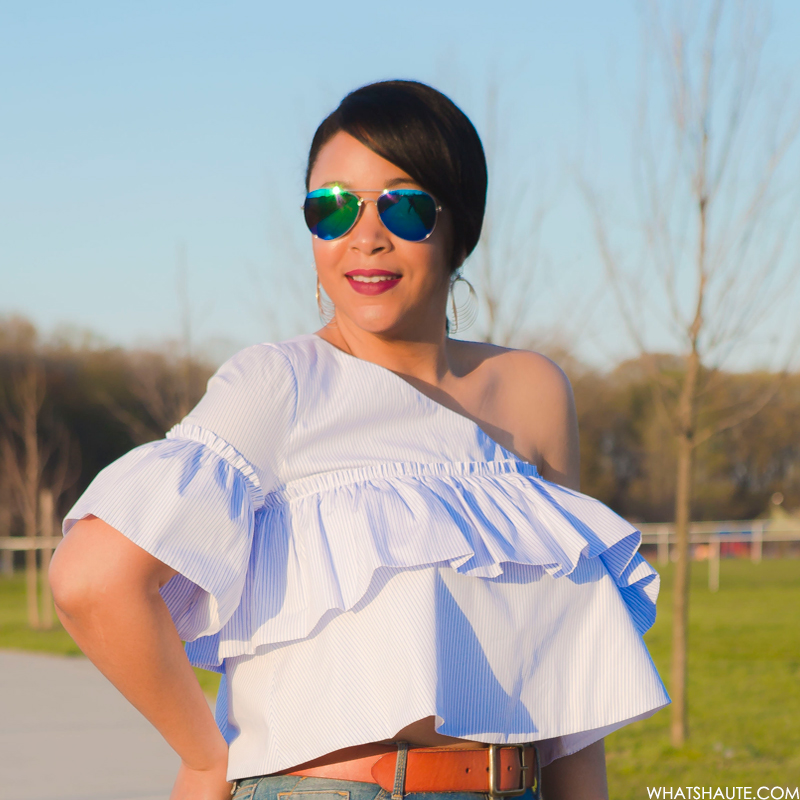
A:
[(409, 214)]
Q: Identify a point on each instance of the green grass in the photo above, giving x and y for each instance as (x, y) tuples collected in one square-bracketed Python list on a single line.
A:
[(744, 682), (743, 692)]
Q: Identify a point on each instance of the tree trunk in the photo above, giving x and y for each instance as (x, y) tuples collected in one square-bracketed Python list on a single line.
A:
[(46, 514), (31, 588), (6, 556), (687, 405), (30, 439), (680, 593)]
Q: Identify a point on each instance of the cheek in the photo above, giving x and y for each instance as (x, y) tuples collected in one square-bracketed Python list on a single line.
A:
[(320, 252), (326, 254), (436, 266), (438, 250)]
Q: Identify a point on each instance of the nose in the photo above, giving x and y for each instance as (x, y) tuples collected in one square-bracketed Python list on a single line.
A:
[(369, 236)]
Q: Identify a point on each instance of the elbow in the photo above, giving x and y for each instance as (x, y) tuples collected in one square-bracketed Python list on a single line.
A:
[(71, 585), (95, 566), (82, 587), (82, 571)]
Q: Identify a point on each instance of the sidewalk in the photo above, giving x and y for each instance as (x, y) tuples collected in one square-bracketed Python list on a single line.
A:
[(67, 734)]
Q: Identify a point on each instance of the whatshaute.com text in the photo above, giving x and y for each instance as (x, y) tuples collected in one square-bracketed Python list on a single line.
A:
[(723, 793)]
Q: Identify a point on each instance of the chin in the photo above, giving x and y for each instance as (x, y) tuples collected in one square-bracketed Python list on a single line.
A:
[(392, 320), (376, 320)]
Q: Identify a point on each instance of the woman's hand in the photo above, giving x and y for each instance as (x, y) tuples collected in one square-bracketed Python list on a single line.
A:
[(196, 784)]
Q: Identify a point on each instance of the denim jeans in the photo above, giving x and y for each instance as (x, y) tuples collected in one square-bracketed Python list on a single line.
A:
[(296, 787)]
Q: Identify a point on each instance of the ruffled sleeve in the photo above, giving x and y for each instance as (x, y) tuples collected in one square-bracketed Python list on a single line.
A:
[(190, 499)]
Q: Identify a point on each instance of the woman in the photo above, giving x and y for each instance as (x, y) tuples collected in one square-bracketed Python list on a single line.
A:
[(373, 532)]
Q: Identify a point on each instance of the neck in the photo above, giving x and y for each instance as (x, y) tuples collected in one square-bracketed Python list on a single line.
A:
[(424, 357)]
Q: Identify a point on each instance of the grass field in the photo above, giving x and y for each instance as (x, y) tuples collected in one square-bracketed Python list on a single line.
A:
[(744, 687)]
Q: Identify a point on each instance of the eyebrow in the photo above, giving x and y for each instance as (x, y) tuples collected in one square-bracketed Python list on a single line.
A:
[(388, 185), (398, 181)]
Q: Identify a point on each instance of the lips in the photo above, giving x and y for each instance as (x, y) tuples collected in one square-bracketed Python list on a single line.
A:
[(372, 281)]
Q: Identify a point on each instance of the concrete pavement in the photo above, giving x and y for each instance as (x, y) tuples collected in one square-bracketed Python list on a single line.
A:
[(67, 734)]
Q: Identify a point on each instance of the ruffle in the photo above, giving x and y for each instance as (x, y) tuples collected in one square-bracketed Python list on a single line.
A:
[(185, 430), (320, 542), (189, 502)]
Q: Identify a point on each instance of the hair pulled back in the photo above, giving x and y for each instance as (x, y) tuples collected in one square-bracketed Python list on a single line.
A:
[(424, 133)]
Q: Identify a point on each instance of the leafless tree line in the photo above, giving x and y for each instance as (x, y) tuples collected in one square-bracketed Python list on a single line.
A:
[(40, 457)]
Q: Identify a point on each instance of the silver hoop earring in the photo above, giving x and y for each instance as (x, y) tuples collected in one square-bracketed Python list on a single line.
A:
[(325, 313), (464, 314)]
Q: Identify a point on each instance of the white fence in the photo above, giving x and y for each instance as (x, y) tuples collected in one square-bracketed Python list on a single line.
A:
[(707, 538)]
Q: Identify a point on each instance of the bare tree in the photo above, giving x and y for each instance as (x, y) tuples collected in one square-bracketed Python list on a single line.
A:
[(22, 464), (31, 459), (6, 556), (46, 528), (713, 262)]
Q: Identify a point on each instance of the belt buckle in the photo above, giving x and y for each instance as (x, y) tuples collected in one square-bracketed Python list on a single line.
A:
[(494, 789)]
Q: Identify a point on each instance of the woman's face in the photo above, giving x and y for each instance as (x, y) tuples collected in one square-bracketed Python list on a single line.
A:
[(411, 303)]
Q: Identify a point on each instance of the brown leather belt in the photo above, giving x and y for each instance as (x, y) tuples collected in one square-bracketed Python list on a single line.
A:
[(498, 770)]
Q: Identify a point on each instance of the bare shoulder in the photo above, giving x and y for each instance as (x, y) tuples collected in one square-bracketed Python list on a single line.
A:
[(527, 372), (531, 397), (524, 375)]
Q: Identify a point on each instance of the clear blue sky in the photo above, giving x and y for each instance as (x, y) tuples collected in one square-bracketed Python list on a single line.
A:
[(131, 129)]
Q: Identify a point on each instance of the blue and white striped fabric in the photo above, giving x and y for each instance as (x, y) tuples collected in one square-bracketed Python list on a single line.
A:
[(354, 556)]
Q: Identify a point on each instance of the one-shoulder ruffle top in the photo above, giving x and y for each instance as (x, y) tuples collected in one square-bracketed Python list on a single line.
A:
[(354, 556)]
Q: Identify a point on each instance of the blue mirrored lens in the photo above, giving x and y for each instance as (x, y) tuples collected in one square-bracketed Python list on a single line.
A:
[(330, 212), (408, 213)]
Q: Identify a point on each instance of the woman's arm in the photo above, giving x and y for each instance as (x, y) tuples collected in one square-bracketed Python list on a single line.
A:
[(106, 590)]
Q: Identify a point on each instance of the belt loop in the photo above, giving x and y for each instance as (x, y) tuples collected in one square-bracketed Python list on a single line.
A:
[(400, 771)]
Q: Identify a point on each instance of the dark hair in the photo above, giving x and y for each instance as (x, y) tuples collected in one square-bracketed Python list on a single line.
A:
[(424, 133)]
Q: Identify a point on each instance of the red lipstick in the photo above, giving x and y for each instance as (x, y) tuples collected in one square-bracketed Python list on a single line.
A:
[(372, 281)]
